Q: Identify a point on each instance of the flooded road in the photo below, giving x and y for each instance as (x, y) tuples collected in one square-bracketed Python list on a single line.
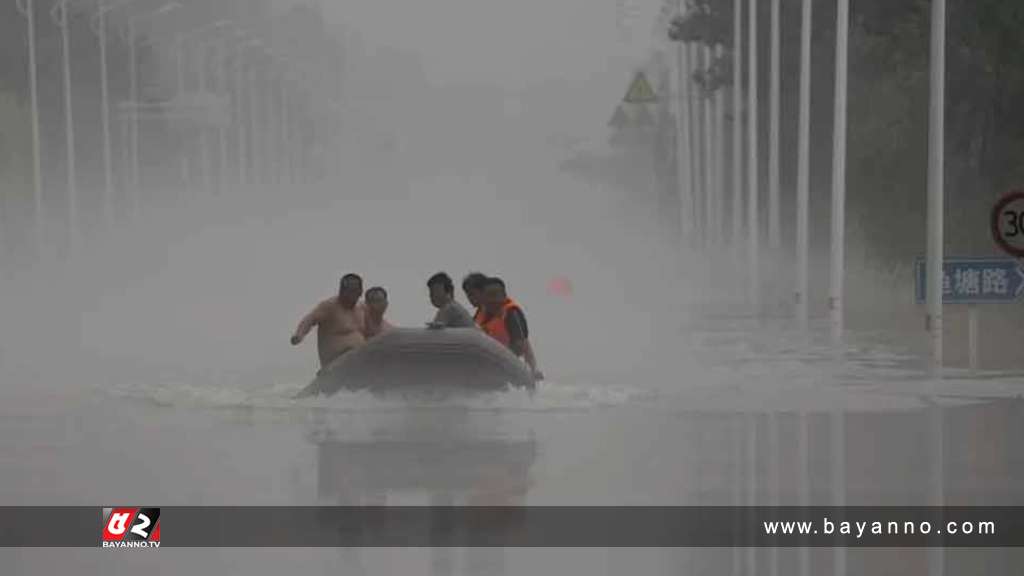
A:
[(756, 416)]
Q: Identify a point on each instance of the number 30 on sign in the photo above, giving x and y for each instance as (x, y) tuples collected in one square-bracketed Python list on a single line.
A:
[(1008, 223)]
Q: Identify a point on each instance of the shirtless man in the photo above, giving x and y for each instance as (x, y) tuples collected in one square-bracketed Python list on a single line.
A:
[(340, 321)]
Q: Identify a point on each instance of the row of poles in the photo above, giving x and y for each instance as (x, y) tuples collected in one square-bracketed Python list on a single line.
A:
[(697, 172), (702, 159), (251, 161)]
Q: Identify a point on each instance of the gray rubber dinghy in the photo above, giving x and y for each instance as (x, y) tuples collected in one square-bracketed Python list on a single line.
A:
[(405, 358)]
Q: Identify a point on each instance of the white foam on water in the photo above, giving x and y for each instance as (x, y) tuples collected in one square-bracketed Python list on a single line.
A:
[(216, 393)]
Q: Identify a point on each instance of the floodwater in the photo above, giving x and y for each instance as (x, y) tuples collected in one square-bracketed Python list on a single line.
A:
[(755, 414)]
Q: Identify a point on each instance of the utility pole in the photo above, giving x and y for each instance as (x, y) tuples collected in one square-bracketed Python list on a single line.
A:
[(720, 155), (936, 164), (804, 168), (100, 27), (774, 233), (179, 55), (60, 17), (204, 137), (133, 90), (753, 212), (240, 109), (710, 185), (683, 164), (286, 129), (697, 128), (255, 141), (222, 128), (737, 127), (838, 268), (27, 8)]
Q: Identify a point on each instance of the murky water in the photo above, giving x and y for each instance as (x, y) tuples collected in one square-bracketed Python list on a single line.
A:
[(755, 415)]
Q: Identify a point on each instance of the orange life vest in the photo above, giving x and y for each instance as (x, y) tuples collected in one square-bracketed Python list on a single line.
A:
[(495, 327)]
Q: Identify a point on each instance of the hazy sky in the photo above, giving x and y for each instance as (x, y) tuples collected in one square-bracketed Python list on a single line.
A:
[(455, 116), (564, 59)]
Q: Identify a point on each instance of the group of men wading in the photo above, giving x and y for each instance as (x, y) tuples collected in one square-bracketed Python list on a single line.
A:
[(346, 321)]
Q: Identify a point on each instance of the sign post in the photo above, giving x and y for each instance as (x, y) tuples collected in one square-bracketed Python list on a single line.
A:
[(972, 335)]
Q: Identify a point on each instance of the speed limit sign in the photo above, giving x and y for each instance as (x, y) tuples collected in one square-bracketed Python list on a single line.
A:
[(1008, 223)]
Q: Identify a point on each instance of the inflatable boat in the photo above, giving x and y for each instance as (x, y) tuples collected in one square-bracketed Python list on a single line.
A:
[(401, 359)]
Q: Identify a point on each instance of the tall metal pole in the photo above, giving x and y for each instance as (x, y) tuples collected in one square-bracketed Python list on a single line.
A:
[(274, 128), (108, 160), (753, 212), (774, 234), (936, 163), (683, 138), (710, 196), (286, 141), (255, 143), (222, 129), (133, 82), (61, 18), (240, 109), (27, 7), (204, 134), (737, 126), (839, 173), (179, 55), (720, 155), (697, 146), (803, 168), (936, 166)]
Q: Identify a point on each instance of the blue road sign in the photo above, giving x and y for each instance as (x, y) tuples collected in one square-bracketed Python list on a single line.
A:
[(974, 280)]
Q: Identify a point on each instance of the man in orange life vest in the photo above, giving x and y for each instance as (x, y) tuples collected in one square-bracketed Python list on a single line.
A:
[(505, 321)]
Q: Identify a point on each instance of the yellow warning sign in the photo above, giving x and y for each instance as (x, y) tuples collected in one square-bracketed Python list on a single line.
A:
[(640, 90)]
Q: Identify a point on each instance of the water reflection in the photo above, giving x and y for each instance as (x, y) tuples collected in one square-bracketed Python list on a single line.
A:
[(435, 458), (945, 453), (937, 452)]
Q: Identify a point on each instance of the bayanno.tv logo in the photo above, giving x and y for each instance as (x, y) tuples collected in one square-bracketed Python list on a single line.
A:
[(131, 528)]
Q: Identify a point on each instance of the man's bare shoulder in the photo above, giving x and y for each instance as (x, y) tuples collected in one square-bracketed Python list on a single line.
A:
[(326, 305)]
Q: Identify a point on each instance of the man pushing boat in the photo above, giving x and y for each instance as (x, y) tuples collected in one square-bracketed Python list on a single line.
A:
[(340, 321)]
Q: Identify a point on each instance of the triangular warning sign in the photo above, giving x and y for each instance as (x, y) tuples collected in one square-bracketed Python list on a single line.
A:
[(619, 119), (640, 90)]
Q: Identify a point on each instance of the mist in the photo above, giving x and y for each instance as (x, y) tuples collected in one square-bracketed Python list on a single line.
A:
[(448, 158)]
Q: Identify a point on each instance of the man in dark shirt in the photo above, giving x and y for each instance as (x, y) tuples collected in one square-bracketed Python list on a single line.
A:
[(473, 286), (450, 314)]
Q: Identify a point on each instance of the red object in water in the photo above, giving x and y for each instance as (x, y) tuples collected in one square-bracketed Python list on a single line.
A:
[(560, 286)]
